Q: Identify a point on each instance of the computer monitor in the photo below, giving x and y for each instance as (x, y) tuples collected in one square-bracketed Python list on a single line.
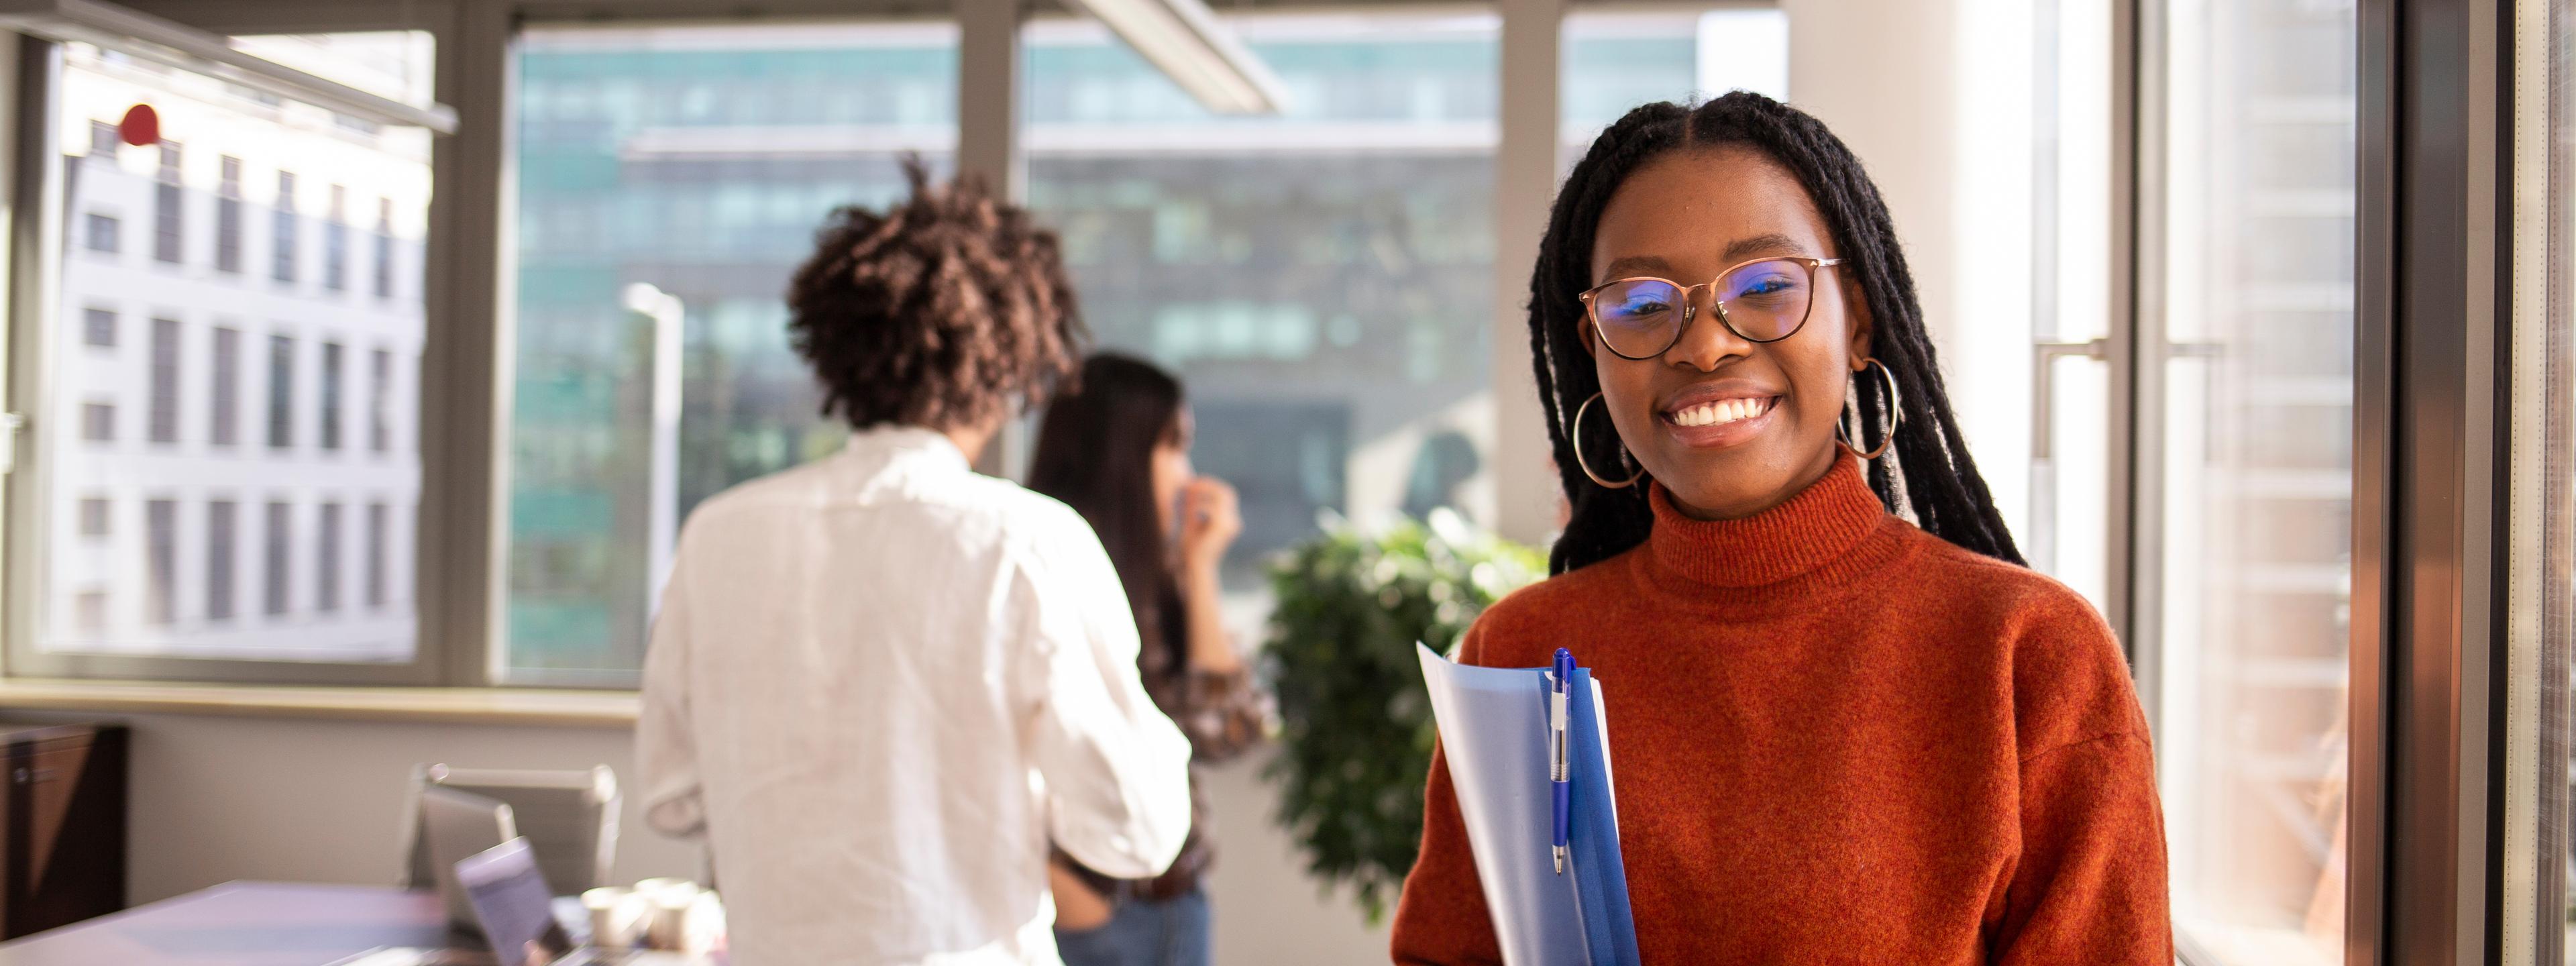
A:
[(456, 826)]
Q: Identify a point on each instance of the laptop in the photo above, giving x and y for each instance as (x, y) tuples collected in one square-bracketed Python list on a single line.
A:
[(512, 910), (513, 906)]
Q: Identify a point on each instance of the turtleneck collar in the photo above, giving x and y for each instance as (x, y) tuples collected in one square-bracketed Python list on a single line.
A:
[(1824, 531)]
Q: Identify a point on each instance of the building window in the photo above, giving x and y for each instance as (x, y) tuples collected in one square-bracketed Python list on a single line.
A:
[(326, 561), (384, 248), (284, 234), (219, 560), (90, 612), (161, 521), (224, 410), (331, 353), (104, 139), (273, 565), (165, 382), (98, 232), (228, 218), (335, 242), (98, 422), (281, 391), (380, 432), (376, 521), (94, 516), (276, 374), (167, 198)]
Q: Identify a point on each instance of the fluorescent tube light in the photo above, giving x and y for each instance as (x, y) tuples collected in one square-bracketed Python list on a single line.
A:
[(1185, 41), (187, 48)]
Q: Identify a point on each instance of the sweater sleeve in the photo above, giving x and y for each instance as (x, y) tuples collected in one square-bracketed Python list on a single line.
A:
[(2090, 883), (1441, 919)]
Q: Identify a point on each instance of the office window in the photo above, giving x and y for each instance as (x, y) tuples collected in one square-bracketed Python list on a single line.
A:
[(1323, 279), (232, 387), (98, 422), (276, 596), (161, 523), (2256, 368), (93, 516), (326, 560), (219, 560), (599, 206), (331, 353), (98, 232), (223, 410), (380, 390), (1612, 61), (335, 242), (228, 218), (385, 248), (282, 236), (281, 391), (104, 139), (167, 218), (376, 523), (89, 611), (165, 382)]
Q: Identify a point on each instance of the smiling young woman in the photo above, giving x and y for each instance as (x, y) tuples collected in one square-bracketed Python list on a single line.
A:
[(1842, 735)]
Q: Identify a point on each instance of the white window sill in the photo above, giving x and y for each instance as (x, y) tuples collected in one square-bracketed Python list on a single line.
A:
[(484, 706)]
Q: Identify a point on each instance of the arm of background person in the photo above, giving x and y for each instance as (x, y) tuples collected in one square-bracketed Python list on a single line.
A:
[(666, 753), (1116, 770)]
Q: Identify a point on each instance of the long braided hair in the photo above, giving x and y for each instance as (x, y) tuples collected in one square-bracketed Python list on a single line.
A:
[(1935, 479)]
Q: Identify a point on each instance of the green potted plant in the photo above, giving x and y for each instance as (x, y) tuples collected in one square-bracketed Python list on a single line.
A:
[(1355, 722)]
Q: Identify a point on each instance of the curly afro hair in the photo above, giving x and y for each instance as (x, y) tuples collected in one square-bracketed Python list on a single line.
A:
[(949, 310)]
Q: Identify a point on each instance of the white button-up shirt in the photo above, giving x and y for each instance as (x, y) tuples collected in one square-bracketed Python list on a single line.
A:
[(878, 685)]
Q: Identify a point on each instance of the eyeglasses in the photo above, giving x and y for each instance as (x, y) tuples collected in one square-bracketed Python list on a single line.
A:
[(1763, 300)]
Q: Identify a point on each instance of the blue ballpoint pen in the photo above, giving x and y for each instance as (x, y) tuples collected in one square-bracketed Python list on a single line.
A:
[(1562, 687)]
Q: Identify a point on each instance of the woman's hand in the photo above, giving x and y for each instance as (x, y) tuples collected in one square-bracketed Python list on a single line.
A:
[(1210, 520), (1077, 908)]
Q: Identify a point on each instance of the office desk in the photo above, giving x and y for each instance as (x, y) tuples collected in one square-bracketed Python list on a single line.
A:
[(243, 924)]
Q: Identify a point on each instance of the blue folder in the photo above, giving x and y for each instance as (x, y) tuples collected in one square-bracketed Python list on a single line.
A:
[(1493, 731)]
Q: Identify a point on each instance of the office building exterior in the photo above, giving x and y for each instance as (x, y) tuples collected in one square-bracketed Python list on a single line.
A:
[(231, 420)]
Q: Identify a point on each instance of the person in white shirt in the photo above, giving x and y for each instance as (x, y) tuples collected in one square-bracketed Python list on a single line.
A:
[(879, 684)]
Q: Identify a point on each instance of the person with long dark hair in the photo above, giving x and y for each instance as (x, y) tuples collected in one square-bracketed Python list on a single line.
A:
[(1116, 448), (1848, 725)]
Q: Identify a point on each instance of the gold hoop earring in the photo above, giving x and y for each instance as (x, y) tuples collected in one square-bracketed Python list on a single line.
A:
[(1850, 429), (1577, 434)]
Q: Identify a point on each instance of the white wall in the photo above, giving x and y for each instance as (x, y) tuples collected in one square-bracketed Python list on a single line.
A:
[(218, 798), (1935, 98)]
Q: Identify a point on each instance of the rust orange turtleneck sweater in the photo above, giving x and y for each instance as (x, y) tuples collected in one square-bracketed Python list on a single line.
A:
[(1838, 739)]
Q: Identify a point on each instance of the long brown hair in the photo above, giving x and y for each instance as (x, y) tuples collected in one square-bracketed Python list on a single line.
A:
[(1095, 452)]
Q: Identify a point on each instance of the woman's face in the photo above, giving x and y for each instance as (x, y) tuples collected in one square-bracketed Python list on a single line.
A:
[(1731, 427), (1172, 470)]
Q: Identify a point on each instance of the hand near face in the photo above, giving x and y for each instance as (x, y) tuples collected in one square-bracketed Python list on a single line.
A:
[(1210, 520)]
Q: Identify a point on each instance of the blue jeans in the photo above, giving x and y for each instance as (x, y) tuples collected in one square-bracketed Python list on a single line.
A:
[(1173, 932)]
